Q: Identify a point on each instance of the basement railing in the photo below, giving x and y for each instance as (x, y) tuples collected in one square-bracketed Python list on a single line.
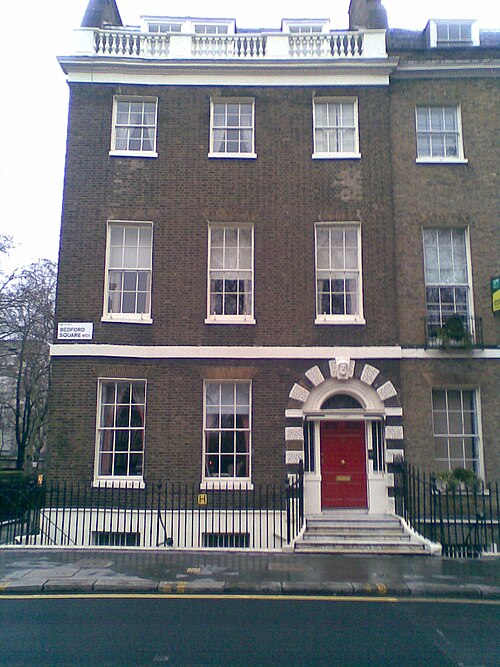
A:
[(162, 515), (463, 517)]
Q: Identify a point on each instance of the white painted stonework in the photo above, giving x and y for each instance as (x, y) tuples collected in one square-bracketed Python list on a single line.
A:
[(258, 352), (386, 391), (394, 412), (342, 368), (294, 433), (394, 433), (369, 374), (293, 414), (315, 376), (293, 457), (392, 455), (299, 393)]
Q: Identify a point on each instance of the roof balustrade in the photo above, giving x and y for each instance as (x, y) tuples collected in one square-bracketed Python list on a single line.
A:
[(126, 43)]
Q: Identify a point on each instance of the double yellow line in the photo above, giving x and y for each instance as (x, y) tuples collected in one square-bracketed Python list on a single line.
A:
[(226, 596)]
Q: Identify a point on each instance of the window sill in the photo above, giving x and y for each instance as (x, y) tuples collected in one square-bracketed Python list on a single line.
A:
[(336, 156), (340, 320), (441, 160), (238, 156), (147, 154), (222, 319), (121, 319), (226, 484), (115, 483)]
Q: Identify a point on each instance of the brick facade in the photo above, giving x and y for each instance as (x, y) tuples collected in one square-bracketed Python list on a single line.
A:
[(282, 193)]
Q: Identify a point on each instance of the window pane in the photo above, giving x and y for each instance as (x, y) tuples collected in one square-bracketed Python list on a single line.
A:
[(323, 258), (423, 120), (212, 443), (437, 118), (456, 448), (454, 400), (441, 448), (439, 400), (423, 145)]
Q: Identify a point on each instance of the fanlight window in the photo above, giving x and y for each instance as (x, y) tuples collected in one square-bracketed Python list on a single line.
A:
[(341, 402)]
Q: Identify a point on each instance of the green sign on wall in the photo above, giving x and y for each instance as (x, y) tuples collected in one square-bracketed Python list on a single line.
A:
[(495, 293)]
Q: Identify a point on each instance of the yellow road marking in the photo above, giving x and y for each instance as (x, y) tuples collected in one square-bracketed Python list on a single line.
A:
[(227, 596)]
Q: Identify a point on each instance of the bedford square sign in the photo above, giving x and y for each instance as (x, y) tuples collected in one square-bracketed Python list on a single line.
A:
[(75, 330)]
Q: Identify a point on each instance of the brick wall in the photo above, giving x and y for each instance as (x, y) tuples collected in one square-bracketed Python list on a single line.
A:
[(419, 377), (283, 192), (447, 195), (174, 412)]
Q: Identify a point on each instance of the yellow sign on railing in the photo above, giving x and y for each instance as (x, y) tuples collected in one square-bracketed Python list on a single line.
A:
[(495, 294)]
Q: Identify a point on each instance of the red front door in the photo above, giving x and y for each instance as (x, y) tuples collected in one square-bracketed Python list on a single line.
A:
[(343, 464)]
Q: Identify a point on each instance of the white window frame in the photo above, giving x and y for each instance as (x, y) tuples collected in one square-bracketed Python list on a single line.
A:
[(325, 318), (336, 155), (440, 284), (209, 482), (440, 159), (126, 481), (215, 318), (133, 318), (459, 463), (213, 153), (133, 153)]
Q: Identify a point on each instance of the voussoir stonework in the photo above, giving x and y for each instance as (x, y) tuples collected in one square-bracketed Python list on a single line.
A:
[(387, 390), (369, 374), (315, 376), (298, 393)]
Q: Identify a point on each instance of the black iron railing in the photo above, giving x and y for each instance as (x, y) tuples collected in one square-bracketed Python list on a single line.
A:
[(457, 331), (160, 515), (464, 520)]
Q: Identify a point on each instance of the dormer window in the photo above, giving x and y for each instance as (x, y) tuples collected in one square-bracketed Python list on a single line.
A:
[(453, 33), (305, 27)]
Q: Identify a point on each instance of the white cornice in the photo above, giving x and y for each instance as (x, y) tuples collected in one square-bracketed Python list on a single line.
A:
[(363, 72), (446, 68), (250, 352)]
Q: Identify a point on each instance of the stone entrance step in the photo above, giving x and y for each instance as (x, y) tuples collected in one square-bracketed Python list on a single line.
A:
[(358, 532)]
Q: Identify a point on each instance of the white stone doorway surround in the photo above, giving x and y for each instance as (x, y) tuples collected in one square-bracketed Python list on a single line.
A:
[(372, 392)]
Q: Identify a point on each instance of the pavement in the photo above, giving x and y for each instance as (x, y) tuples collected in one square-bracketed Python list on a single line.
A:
[(35, 570)]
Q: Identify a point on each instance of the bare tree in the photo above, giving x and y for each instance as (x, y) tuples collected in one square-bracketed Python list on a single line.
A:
[(26, 329)]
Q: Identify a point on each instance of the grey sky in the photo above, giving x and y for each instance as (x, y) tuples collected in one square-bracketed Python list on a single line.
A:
[(34, 110)]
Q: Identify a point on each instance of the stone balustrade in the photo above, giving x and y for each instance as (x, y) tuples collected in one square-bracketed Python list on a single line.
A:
[(125, 43)]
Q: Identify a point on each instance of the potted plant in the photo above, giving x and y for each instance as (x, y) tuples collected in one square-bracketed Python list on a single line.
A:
[(454, 332), (458, 479)]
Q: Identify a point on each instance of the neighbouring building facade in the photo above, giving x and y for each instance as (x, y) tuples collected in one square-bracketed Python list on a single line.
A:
[(277, 248)]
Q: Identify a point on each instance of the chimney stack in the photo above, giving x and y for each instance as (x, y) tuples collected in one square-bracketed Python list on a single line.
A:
[(369, 14)]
